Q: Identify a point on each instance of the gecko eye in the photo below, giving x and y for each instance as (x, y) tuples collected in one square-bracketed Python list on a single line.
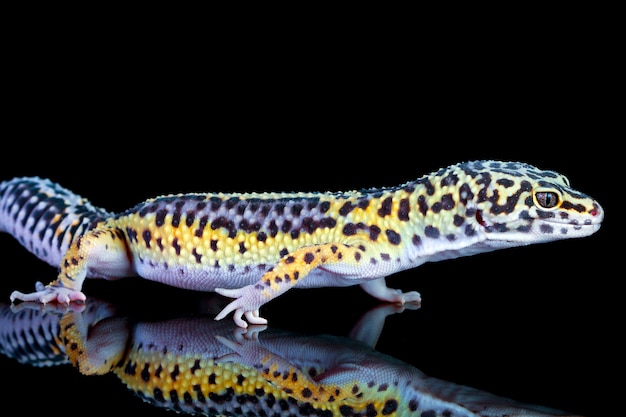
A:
[(547, 199)]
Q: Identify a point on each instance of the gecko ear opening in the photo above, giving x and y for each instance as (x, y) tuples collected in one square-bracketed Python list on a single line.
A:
[(479, 218)]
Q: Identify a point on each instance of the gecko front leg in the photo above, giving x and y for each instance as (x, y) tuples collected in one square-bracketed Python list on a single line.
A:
[(291, 269)]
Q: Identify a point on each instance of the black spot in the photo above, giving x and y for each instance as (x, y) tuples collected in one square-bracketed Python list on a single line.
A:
[(465, 193), (175, 372), (422, 205), (158, 395), (214, 245), (505, 182), (176, 218), (242, 248), (145, 373), (390, 407), (245, 226), (324, 206), (189, 218), (273, 228), (176, 246), (159, 218), (566, 205), (416, 240), (216, 203), (328, 222), (240, 379), (349, 229), (447, 202), (431, 231), (196, 255), (393, 237), (545, 214), (279, 208), (546, 228), (231, 202), (261, 237), (458, 220), (346, 411), (201, 225), (404, 209), (450, 179), (385, 207), (283, 252), (147, 236), (346, 208), (374, 232), (296, 209), (308, 257)]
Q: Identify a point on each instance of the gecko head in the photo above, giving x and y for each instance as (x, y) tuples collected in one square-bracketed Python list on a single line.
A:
[(517, 204)]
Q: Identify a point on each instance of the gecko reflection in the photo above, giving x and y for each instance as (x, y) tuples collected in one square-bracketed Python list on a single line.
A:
[(198, 366)]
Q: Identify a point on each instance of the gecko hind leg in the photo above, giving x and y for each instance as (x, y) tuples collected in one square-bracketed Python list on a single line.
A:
[(377, 288), (290, 269), (101, 252)]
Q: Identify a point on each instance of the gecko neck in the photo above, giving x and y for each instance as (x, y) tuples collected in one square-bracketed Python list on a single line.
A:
[(444, 222)]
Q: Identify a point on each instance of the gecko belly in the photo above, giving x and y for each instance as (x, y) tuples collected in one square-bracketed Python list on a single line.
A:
[(210, 278)]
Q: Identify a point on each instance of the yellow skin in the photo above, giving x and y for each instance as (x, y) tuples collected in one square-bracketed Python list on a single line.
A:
[(254, 247)]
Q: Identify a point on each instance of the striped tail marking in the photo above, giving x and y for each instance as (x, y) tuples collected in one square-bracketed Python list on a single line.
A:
[(45, 217)]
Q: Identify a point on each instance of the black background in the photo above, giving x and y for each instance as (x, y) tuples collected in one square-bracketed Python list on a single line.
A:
[(121, 120)]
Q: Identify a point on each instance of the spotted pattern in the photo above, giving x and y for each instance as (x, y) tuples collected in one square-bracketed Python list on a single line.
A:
[(224, 242)]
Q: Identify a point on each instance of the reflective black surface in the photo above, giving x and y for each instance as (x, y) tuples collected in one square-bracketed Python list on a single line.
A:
[(180, 361)]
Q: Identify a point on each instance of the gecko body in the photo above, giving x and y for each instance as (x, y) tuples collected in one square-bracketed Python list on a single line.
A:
[(254, 247)]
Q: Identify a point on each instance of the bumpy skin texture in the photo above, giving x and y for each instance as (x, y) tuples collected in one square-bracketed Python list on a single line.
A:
[(254, 247)]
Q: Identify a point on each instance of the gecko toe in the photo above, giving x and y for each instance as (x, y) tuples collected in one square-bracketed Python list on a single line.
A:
[(253, 317)]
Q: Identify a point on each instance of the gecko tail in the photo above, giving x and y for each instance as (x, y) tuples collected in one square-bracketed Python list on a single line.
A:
[(45, 217)]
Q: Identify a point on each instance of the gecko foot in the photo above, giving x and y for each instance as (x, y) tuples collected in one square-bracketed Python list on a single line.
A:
[(243, 305), (48, 293)]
